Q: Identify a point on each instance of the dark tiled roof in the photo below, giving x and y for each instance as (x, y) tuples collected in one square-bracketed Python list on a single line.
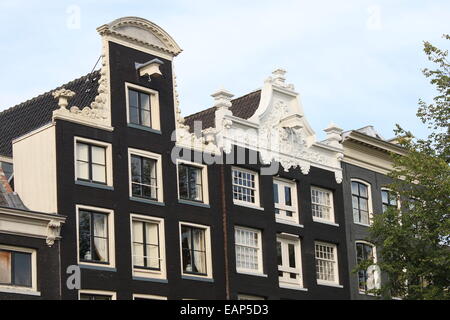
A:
[(34, 113), (8, 198), (243, 107)]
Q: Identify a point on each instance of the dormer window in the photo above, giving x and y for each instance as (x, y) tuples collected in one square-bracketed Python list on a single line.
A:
[(142, 107)]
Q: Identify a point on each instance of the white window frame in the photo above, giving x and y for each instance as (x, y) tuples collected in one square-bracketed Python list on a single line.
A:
[(209, 266), (23, 290), (205, 188), (249, 297), (154, 105), (334, 283), (238, 202), (374, 251), (144, 273), (108, 158), (159, 174), (282, 217), (260, 270), (112, 294), (332, 220), (148, 296), (111, 233), (390, 191), (369, 200), (286, 282)]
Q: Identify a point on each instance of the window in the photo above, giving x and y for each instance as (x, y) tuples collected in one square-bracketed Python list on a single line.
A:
[(326, 263), (245, 187), (93, 162), (145, 171), (367, 279), (322, 205), (148, 246), (95, 236), (97, 295), (285, 199), (190, 182), (248, 250), (195, 250), (16, 268), (142, 107), (389, 199), (361, 202), (289, 261), (249, 297)]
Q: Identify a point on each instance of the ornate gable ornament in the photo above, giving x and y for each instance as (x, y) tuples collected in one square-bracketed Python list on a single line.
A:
[(278, 130)]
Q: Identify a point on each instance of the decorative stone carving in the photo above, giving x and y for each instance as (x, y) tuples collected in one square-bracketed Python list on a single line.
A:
[(53, 232), (63, 96)]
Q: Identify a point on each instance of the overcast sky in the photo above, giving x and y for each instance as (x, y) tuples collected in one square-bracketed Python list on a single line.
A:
[(354, 62)]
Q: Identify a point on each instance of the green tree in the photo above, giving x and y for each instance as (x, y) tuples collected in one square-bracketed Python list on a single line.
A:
[(414, 241)]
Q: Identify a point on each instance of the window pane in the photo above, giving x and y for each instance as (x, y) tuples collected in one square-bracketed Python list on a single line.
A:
[(98, 155), (149, 171), (153, 256), (145, 118), (5, 267), (199, 262), (275, 193), (98, 173), (22, 269), (363, 190), (100, 225), (100, 249), (136, 169), (279, 254), (133, 98), (291, 250), (385, 196), (138, 254), (145, 101), (355, 189), (85, 235), (182, 180), (134, 115), (138, 235), (82, 170), (287, 195), (82, 152)]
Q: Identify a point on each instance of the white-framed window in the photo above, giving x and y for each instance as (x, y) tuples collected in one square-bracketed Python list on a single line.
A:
[(142, 107), (322, 205), (145, 172), (148, 297), (195, 250), (249, 297), (93, 161), (148, 247), (18, 269), (367, 279), (95, 236), (96, 295), (285, 200), (245, 187), (361, 202), (326, 263), (248, 246), (192, 182), (289, 261), (389, 199)]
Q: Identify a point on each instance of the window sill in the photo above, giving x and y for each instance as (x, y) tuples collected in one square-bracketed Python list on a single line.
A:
[(140, 127), (17, 290), (148, 201), (291, 223), (94, 185), (292, 287), (185, 277), (247, 205), (362, 224), (329, 284), (194, 203), (97, 267), (326, 222), (137, 278), (248, 273)]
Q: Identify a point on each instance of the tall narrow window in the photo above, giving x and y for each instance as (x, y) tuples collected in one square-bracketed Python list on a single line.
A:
[(190, 182), (139, 104), (360, 203), (285, 198), (367, 279), (93, 237), (389, 199), (322, 204), (91, 163), (146, 246), (289, 261), (143, 177), (194, 251), (326, 263), (245, 186), (15, 268), (248, 250)]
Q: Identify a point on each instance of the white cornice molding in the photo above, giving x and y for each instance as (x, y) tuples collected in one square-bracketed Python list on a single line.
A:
[(374, 142), (6, 159), (31, 224)]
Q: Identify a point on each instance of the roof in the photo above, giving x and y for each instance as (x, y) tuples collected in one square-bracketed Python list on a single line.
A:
[(372, 141), (8, 198), (243, 107), (33, 114)]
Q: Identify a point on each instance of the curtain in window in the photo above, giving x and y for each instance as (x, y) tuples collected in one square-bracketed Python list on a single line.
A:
[(100, 238), (5, 267), (138, 246), (152, 245), (199, 250)]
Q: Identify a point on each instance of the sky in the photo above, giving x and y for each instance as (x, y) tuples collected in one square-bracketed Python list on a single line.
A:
[(354, 62)]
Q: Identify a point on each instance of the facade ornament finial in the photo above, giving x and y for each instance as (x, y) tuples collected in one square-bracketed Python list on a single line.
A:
[(222, 99), (279, 75), (63, 96), (334, 135)]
